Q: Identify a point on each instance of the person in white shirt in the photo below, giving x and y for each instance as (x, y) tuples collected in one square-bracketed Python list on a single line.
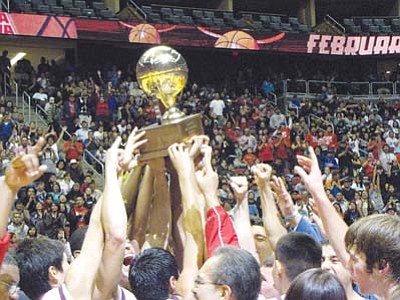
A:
[(277, 119), (83, 132), (40, 97), (387, 159), (217, 106)]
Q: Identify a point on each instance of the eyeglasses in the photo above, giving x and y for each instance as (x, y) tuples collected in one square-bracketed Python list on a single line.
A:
[(199, 282), (12, 288)]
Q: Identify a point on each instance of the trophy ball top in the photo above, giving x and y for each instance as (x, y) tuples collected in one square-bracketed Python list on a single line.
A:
[(162, 72)]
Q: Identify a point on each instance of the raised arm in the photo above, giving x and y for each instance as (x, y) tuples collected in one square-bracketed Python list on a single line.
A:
[(192, 221), (24, 169), (241, 216), (271, 217), (113, 213), (335, 227)]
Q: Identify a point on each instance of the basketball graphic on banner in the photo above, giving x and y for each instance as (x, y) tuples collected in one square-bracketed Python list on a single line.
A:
[(144, 33), (236, 40)]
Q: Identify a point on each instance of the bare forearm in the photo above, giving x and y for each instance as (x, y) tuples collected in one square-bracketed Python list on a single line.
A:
[(272, 223), (193, 215), (335, 227), (81, 284), (129, 189), (114, 222), (143, 202), (243, 227), (7, 201)]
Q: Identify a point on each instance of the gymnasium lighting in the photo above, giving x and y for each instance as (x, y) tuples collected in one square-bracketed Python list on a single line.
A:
[(17, 57)]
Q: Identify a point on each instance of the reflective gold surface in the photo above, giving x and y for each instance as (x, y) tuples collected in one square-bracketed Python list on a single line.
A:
[(162, 73)]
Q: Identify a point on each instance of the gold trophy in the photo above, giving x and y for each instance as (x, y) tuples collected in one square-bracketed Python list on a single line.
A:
[(162, 73)]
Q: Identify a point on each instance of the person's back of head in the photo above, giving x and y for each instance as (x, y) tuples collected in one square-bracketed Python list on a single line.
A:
[(297, 252), (316, 284), (153, 274), (40, 263), (76, 240), (239, 270)]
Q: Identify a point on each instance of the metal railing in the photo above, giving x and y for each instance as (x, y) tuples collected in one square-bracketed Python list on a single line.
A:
[(336, 23), (350, 90), (6, 83), (26, 99), (16, 93), (38, 111), (6, 5), (86, 153), (138, 8), (319, 119)]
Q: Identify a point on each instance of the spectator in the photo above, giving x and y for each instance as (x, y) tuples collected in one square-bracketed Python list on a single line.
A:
[(73, 149)]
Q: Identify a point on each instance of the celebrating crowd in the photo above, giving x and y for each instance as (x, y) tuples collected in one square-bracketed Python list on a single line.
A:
[(252, 205)]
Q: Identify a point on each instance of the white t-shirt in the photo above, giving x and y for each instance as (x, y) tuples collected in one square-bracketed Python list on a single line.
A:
[(217, 106), (58, 293), (40, 96)]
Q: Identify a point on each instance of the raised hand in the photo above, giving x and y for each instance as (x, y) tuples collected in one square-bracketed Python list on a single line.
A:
[(207, 178), (129, 160), (310, 172), (196, 143), (25, 168), (262, 174), (181, 160), (239, 186), (285, 201), (114, 156)]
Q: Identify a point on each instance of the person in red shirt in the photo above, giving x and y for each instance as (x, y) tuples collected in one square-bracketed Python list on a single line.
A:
[(72, 148), (79, 214), (281, 149), (249, 158), (266, 150), (330, 138), (311, 137), (102, 111)]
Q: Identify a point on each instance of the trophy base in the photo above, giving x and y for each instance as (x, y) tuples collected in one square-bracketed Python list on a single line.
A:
[(160, 137)]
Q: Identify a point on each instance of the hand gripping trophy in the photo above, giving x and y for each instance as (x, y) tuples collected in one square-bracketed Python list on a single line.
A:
[(162, 74)]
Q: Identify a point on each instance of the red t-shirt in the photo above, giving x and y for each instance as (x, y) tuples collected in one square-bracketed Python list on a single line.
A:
[(266, 153), (4, 243), (219, 230)]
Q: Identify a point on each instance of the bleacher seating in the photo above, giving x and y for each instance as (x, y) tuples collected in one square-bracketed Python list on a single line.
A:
[(372, 26), (223, 19), (76, 8)]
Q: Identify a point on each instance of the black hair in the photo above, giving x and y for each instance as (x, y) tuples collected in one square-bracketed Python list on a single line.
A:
[(35, 257), (77, 238), (9, 259), (298, 252), (316, 284), (150, 273), (239, 270)]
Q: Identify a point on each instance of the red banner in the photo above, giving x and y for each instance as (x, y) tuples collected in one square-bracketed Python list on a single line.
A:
[(195, 36), (180, 35), (37, 25)]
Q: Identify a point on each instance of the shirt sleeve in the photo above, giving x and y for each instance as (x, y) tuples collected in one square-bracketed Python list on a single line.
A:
[(4, 243), (309, 228), (219, 230)]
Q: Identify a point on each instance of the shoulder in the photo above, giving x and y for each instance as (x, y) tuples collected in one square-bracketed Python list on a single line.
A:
[(124, 294), (60, 293)]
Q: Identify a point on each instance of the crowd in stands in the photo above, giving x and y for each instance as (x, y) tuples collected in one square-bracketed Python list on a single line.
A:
[(356, 145)]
